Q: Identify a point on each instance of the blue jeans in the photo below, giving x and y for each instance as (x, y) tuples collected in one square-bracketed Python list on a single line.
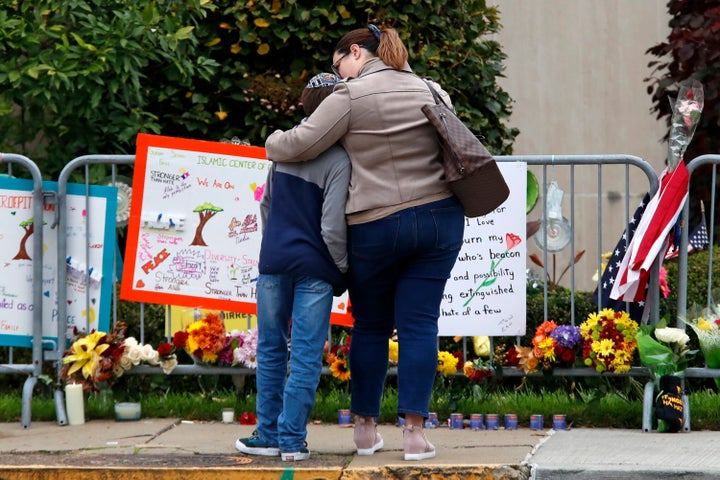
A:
[(285, 401), (398, 269)]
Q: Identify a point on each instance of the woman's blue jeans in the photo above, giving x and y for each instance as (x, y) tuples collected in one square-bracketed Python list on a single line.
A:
[(286, 399), (398, 269)]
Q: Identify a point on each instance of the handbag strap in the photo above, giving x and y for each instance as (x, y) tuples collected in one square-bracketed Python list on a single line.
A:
[(436, 96)]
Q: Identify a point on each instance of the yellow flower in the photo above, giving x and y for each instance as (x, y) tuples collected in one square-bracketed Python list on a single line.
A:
[(468, 369), (339, 369), (393, 351), (86, 354), (604, 347), (704, 325), (547, 346), (447, 363)]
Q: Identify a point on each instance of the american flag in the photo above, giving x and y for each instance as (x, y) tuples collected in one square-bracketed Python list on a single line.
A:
[(650, 240), (634, 309), (697, 240)]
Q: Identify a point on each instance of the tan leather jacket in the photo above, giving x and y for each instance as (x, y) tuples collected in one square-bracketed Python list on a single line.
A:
[(393, 149)]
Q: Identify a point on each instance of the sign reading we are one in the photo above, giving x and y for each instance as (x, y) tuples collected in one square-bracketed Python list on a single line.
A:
[(194, 232)]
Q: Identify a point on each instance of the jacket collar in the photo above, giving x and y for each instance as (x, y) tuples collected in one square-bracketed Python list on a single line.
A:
[(375, 65)]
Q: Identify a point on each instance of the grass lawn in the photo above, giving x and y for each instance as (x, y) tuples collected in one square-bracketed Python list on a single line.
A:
[(595, 407)]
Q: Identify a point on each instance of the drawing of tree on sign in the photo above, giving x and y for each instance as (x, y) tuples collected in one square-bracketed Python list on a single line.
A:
[(206, 211), (29, 227)]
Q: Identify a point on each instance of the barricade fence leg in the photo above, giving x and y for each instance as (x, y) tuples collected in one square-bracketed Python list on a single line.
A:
[(648, 406)]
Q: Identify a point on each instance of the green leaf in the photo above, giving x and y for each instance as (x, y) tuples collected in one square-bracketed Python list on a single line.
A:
[(183, 33)]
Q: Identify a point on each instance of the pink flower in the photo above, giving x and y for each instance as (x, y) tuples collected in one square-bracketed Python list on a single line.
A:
[(664, 287)]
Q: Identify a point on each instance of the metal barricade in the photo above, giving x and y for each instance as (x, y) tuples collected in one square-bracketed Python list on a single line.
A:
[(598, 167), (598, 163), (34, 369), (713, 161)]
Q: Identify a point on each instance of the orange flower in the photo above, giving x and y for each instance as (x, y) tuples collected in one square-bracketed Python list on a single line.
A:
[(330, 359), (526, 360), (546, 327)]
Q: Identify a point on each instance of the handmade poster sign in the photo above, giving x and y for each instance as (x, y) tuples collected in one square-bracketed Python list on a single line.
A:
[(485, 294), (90, 233), (194, 231)]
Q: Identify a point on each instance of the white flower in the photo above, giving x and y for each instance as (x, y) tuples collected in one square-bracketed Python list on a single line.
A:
[(126, 362), (134, 353), (149, 354), (130, 342), (169, 365), (672, 335), (689, 107)]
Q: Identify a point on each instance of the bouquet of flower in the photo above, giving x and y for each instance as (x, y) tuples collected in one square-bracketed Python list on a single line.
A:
[(686, 109), (505, 357), (663, 350), (609, 341), (98, 359), (706, 326), (336, 356), (207, 341), (665, 353), (447, 363), (204, 339), (478, 370), (553, 345), (243, 346)]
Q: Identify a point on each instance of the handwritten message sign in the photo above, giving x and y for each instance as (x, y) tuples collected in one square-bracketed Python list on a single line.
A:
[(90, 233), (486, 291), (194, 232)]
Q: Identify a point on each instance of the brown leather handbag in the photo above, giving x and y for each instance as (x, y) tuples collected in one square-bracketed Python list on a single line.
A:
[(470, 170)]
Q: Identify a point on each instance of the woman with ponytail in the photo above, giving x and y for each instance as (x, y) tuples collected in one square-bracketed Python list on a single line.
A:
[(405, 227)]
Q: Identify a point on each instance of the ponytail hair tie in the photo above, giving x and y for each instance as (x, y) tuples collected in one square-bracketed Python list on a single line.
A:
[(375, 31)]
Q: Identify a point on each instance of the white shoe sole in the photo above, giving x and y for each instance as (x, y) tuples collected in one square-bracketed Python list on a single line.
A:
[(419, 456), (295, 456), (371, 450)]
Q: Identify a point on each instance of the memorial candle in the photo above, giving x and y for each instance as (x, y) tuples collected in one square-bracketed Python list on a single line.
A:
[(75, 404)]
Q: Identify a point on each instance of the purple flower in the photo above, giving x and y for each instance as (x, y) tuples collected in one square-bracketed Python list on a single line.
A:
[(567, 336)]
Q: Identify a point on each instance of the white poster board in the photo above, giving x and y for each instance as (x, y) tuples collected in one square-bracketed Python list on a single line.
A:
[(485, 294), (90, 232)]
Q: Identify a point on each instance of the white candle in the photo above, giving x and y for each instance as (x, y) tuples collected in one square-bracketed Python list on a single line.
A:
[(127, 411), (228, 415), (75, 404)]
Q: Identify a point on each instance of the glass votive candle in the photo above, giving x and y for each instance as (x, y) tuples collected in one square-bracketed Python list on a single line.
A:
[(228, 415), (127, 411)]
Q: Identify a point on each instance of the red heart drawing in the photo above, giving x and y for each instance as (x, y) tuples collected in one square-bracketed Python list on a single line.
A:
[(69, 302), (341, 305), (512, 240), (140, 284)]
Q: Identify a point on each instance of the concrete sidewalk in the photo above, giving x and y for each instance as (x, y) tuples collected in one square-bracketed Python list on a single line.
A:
[(172, 448)]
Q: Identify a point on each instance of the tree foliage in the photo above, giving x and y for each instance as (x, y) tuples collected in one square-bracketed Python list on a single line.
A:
[(85, 76), (692, 50)]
